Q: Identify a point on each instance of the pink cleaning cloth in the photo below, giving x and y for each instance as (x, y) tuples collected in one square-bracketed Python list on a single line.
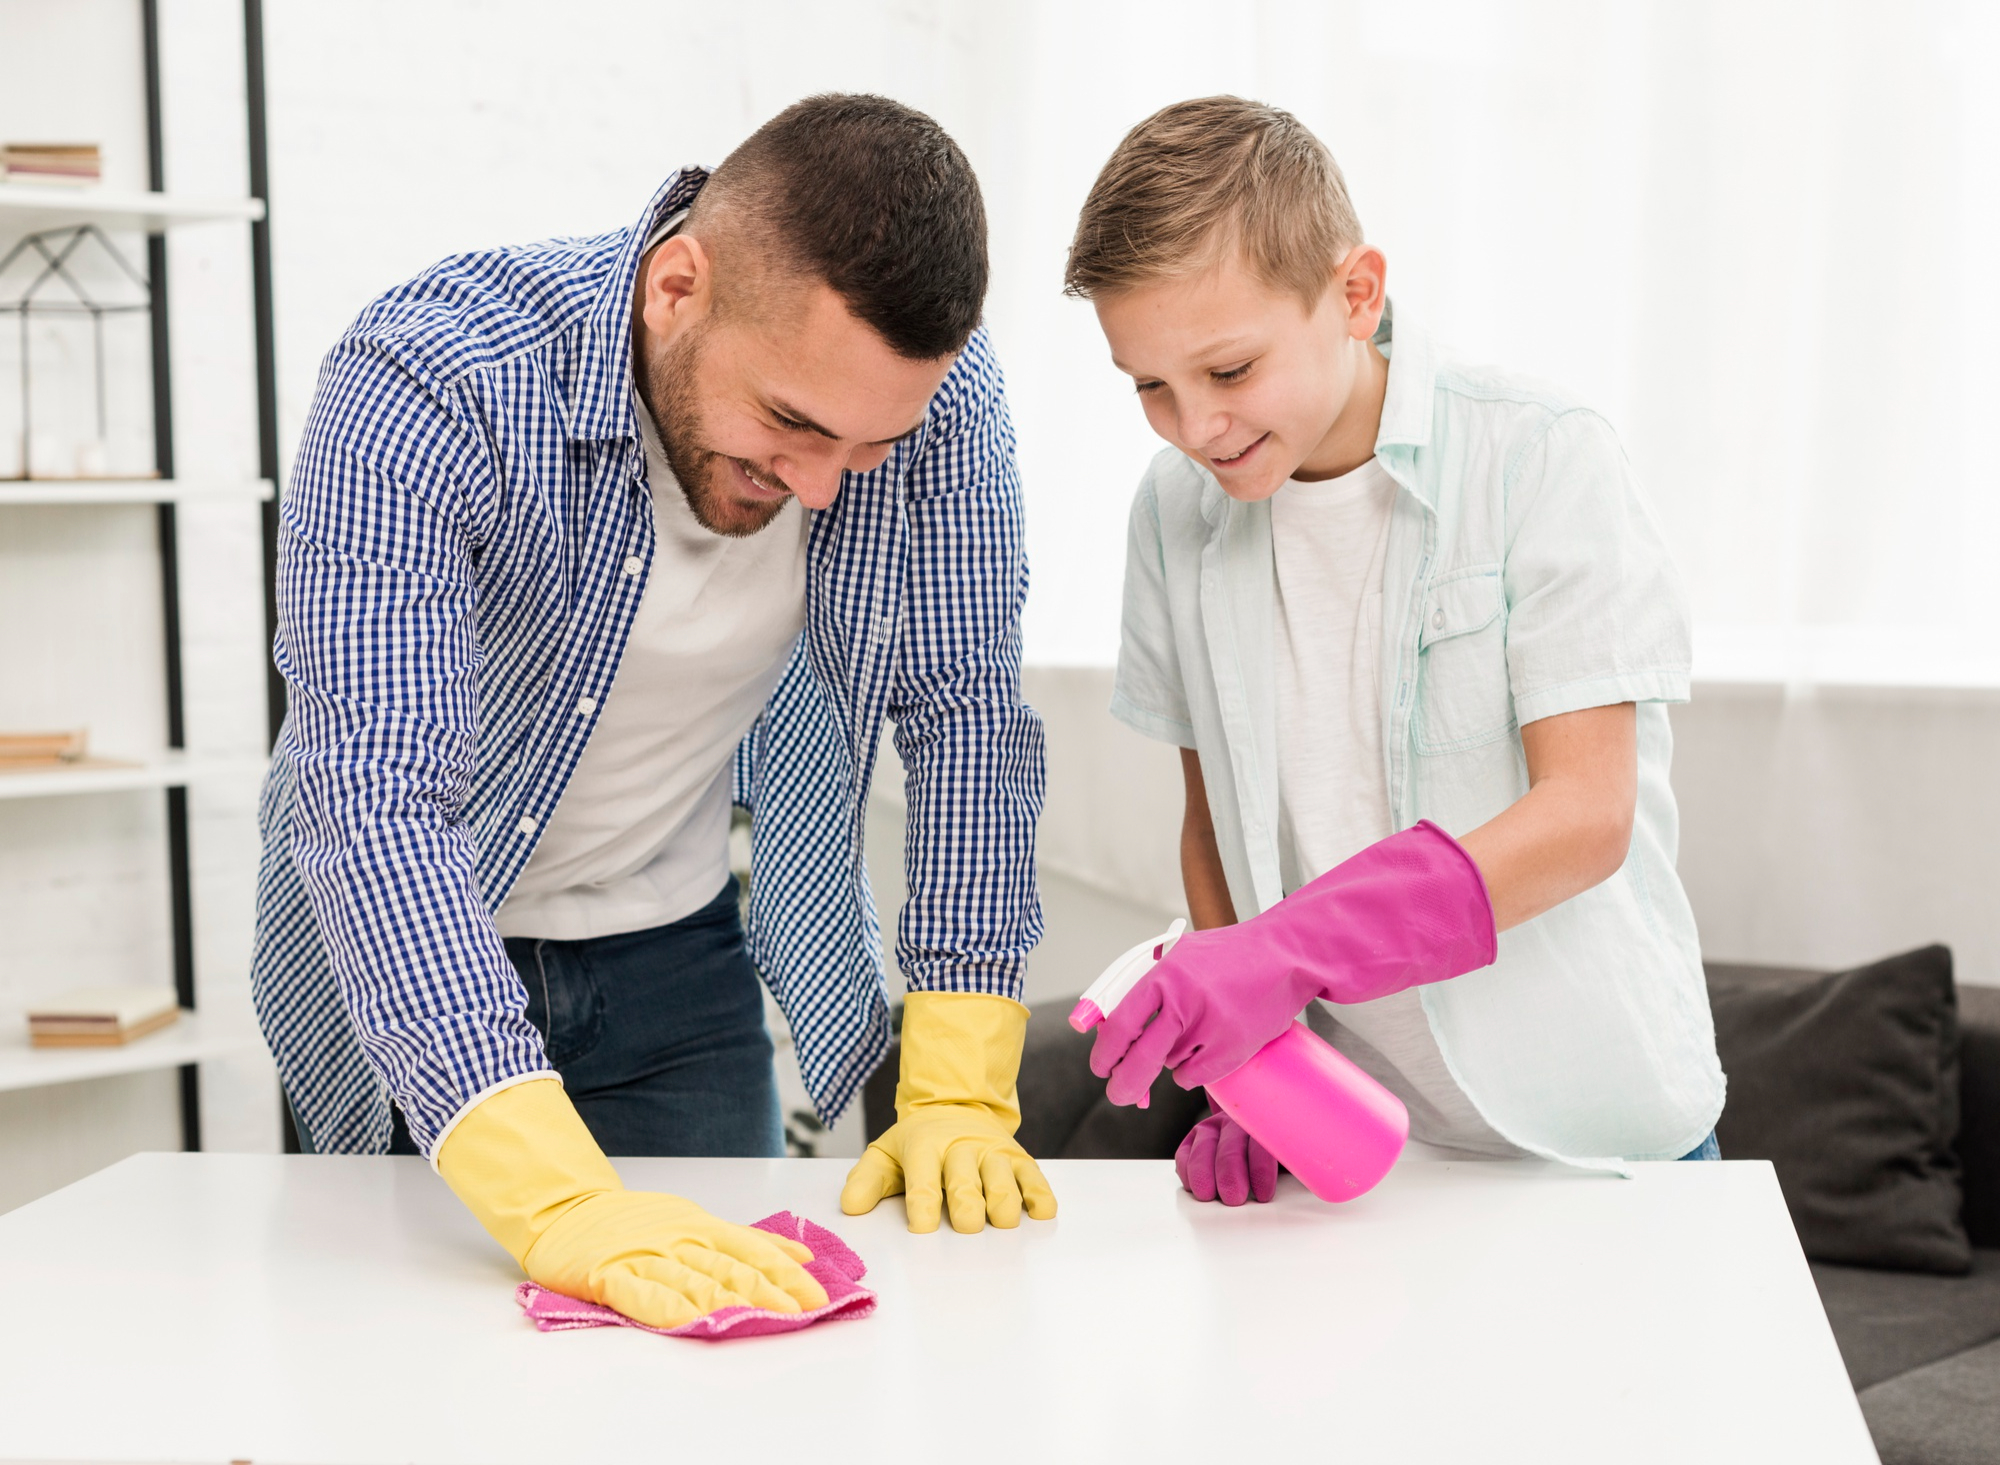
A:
[(834, 1266)]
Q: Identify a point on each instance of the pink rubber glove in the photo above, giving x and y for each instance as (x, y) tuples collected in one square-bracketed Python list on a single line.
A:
[(1220, 1161), (1407, 910)]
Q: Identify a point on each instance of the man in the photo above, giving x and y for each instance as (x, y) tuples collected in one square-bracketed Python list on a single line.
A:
[(583, 538)]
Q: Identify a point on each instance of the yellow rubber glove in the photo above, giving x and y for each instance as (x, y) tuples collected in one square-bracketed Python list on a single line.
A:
[(526, 1166), (956, 1113)]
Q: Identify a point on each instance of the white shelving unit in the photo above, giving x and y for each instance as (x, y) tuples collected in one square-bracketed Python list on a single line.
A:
[(28, 209), (173, 769), (168, 772), (195, 1037), (39, 491)]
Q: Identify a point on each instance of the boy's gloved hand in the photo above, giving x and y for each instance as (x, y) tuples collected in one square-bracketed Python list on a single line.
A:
[(1220, 1161), (526, 1166), (956, 1113), (1407, 910)]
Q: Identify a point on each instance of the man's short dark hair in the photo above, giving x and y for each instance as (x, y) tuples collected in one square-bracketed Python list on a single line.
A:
[(875, 199)]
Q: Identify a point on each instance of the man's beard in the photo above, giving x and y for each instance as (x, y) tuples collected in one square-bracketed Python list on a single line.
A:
[(667, 387)]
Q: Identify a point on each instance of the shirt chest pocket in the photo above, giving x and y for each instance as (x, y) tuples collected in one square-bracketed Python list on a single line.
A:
[(1463, 697)]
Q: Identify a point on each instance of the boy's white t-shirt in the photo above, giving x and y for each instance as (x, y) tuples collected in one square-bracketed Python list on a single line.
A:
[(1328, 542), (640, 837)]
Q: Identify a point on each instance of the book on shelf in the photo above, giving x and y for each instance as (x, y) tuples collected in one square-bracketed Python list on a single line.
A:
[(21, 750), (101, 1017), (77, 163)]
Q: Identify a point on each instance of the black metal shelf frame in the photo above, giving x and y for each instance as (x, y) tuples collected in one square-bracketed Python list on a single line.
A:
[(179, 865)]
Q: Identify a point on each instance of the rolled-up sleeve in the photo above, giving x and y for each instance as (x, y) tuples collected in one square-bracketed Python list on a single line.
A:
[(1147, 693), (379, 650), (1596, 612), (971, 748)]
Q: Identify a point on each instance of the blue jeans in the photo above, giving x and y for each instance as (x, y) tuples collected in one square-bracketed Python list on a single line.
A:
[(658, 1035), (1708, 1149)]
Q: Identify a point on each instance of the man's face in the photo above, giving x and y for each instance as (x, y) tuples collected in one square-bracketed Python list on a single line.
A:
[(1240, 376), (757, 406)]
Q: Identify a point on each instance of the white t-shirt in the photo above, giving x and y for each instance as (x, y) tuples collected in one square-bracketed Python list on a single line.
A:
[(640, 837), (1328, 541)]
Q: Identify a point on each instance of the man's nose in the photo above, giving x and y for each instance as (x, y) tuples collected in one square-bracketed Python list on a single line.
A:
[(815, 480)]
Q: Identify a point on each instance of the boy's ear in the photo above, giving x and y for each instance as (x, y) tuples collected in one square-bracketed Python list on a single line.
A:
[(1363, 283)]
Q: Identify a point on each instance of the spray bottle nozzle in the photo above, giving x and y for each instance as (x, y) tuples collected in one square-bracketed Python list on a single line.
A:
[(1101, 998)]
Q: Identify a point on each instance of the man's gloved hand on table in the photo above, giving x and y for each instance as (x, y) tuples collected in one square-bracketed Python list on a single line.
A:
[(1407, 910), (956, 1113), (524, 1164)]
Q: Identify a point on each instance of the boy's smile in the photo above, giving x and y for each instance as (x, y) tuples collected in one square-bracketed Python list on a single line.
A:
[(1245, 380)]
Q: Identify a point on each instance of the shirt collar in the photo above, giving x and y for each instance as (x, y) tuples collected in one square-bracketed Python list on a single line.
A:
[(600, 404), (1408, 401)]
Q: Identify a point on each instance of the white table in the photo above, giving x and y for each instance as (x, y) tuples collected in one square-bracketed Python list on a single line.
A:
[(236, 1307)]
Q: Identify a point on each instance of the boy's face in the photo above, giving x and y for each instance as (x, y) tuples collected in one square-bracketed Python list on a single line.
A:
[(1247, 381)]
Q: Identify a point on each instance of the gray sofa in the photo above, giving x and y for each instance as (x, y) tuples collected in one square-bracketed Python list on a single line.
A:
[(1923, 1350)]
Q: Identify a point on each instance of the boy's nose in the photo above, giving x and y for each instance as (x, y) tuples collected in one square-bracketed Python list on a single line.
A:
[(1205, 430)]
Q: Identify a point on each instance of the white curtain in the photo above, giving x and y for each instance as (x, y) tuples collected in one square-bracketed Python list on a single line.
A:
[(1761, 236)]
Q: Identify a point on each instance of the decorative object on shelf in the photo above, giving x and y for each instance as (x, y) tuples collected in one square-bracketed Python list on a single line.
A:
[(75, 164), (43, 749), (101, 1017), (49, 275)]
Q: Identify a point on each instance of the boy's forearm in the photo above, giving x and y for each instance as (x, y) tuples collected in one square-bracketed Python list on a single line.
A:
[(1573, 827), (1207, 887)]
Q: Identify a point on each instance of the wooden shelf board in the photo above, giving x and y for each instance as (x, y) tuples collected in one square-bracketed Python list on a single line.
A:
[(27, 208)]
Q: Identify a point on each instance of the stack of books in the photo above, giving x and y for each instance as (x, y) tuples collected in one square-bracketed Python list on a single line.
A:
[(101, 1017), (51, 162), (25, 750)]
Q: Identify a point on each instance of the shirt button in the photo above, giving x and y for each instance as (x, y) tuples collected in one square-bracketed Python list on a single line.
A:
[(1437, 620), (585, 706), (633, 565), (527, 824)]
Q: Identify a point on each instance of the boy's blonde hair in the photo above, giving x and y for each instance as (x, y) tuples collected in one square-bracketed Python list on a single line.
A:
[(1199, 178)]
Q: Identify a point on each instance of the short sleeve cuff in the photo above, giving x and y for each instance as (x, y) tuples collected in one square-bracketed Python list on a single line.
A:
[(1151, 724), (1665, 684)]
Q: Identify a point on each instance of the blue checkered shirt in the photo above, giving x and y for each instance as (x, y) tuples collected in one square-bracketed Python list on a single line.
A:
[(462, 548)]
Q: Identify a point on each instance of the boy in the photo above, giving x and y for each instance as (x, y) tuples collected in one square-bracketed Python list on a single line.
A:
[(1413, 628)]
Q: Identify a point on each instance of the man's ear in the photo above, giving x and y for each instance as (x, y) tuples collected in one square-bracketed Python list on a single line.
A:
[(677, 285), (1363, 281)]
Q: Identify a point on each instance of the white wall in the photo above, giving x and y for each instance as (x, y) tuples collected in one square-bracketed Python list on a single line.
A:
[(1757, 236)]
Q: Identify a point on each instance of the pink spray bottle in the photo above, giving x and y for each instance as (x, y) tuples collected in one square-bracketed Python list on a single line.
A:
[(1325, 1119)]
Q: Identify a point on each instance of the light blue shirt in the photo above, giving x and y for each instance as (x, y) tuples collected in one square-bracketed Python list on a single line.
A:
[(1525, 577)]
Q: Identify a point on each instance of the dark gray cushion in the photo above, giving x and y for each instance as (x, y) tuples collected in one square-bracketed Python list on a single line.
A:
[(1979, 1106), (1848, 1083), (1888, 1323), (1064, 1114), (1947, 1413)]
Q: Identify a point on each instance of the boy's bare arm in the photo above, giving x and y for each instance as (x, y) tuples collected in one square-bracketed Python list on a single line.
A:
[(1208, 899), (1573, 827)]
